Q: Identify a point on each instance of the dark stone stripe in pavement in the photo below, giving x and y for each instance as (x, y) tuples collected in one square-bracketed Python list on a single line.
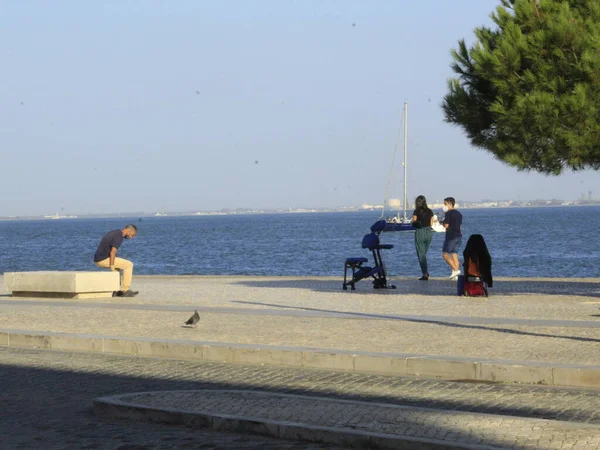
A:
[(297, 311)]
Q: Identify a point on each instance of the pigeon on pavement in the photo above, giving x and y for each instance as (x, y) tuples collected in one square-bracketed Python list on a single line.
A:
[(192, 321)]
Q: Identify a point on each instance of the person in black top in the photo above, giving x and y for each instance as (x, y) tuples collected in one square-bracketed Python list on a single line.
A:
[(106, 257), (477, 261), (452, 222), (422, 220)]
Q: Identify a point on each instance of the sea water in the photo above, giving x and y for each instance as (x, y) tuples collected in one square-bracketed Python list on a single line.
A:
[(523, 242)]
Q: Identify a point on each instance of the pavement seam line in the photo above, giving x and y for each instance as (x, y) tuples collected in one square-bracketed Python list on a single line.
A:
[(285, 311)]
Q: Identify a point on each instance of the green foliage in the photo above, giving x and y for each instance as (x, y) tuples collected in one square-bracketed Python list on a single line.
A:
[(528, 91)]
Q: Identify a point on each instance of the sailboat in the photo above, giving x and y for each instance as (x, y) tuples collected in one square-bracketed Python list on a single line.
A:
[(403, 222)]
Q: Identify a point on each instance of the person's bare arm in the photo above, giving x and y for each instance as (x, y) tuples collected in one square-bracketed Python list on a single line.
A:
[(113, 254)]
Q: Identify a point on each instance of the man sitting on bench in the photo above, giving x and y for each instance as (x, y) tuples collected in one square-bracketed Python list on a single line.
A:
[(106, 257)]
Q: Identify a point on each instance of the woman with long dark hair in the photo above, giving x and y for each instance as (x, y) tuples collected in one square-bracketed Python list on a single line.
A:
[(422, 220), (477, 259)]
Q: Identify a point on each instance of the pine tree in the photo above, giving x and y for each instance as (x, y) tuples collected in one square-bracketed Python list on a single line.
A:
[(528, 90)]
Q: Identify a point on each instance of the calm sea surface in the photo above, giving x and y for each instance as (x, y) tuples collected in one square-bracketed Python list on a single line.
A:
[(527, 242)]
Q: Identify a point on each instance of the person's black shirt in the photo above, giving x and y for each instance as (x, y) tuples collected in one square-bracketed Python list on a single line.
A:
[(454, 220), (111, 239), (424, 216)]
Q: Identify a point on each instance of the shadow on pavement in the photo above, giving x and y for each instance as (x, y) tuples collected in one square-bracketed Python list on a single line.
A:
[(438, 287), (48, 406), (416, 320)]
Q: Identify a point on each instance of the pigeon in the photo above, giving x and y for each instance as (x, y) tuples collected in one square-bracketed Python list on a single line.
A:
[(194, 319)]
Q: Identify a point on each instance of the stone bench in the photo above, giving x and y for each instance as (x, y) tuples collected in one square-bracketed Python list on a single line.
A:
[(62, 284)]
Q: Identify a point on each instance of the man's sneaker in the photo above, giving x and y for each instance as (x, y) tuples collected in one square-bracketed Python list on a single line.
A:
[(117, 294), (130, 293), (454, 274)]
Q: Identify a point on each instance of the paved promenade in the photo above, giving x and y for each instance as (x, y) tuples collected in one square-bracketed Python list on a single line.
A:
[(552, 321), (47, 401), (47, 398), (543, 331)]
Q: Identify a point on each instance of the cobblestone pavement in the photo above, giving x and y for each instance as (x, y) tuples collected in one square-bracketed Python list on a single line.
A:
[(46, 399), (456, 427), (555, 321), (46, 403)]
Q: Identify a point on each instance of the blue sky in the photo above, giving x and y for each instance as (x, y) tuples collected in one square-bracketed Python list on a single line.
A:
[(120, 106)]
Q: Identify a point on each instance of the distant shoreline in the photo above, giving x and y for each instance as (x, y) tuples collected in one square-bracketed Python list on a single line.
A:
[(147, 215)]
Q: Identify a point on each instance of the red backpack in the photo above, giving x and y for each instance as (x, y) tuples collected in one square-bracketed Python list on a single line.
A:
[(475, 289)]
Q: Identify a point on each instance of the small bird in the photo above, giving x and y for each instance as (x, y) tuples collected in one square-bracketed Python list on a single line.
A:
[(193, 320)]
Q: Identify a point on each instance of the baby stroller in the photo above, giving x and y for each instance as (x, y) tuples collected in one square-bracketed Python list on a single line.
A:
[(377, 272), (477, 268)]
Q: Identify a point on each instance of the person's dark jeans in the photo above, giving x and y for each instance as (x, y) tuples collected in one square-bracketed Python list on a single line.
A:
[(422, 242)]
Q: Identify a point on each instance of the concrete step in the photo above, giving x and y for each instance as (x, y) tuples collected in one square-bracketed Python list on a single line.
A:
[(396, 364), (348, 423)]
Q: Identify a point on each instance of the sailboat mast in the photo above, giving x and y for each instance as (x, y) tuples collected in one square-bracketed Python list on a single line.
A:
[(405, 150)]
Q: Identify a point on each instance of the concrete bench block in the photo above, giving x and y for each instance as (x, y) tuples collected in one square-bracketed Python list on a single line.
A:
[(62, 284)]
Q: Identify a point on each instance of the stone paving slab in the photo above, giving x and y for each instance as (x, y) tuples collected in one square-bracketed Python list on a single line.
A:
[(445, 337), (532, 321), (341, 422), (311, 312), (574, 299)]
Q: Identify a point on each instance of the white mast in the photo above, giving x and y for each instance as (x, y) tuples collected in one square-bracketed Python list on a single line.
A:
[(405, 201)]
